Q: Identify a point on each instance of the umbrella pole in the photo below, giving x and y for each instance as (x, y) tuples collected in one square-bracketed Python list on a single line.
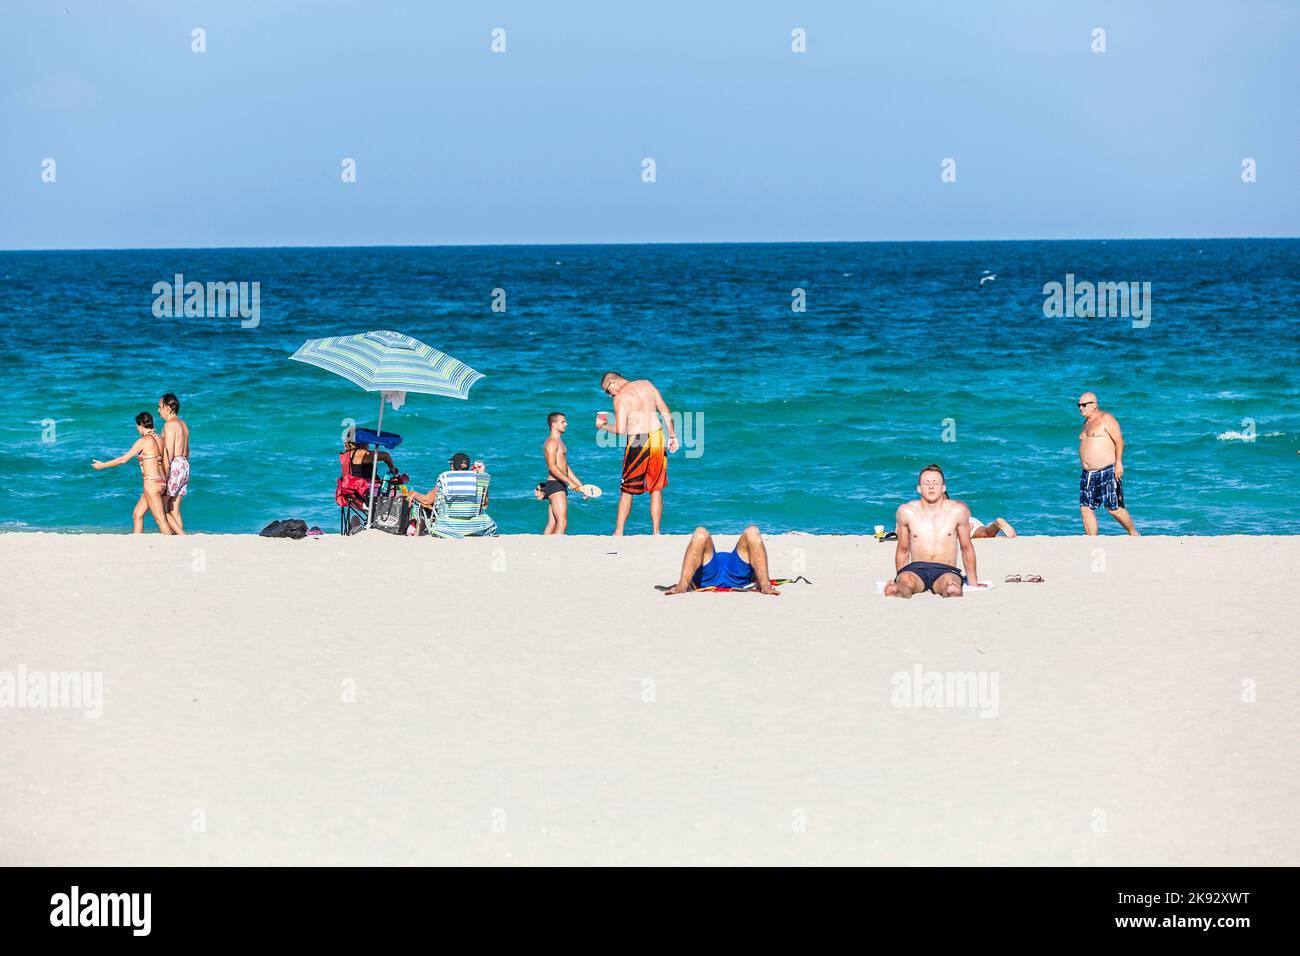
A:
[(374, 464)]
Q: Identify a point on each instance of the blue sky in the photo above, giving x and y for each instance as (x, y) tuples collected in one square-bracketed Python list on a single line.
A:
[(157, 146)]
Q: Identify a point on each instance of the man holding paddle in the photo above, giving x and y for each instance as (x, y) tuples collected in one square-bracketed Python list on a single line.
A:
[(560, 477)]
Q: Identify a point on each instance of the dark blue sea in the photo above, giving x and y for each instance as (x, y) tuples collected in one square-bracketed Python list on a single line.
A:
[(814, 420)]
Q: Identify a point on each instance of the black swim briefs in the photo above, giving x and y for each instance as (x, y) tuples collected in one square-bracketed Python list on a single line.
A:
[(929, 572)]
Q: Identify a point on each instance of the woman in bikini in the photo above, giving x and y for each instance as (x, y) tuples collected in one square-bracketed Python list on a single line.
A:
[(361, 460), (148, 451)]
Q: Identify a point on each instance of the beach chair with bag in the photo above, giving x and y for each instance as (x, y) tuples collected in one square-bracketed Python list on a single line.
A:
[(352, 492)]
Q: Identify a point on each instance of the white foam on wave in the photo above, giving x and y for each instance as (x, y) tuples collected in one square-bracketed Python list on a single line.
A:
[(1242, 436)]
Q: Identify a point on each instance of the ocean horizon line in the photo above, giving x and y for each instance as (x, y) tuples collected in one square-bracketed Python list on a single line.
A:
[(711, 243)]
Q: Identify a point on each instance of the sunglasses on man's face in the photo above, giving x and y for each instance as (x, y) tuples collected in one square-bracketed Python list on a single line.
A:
[(1084, 404)]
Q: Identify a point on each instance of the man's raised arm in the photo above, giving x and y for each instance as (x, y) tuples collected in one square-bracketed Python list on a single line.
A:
[(620, 418)]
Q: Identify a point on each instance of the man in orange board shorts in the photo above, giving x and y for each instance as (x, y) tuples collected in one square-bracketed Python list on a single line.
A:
[(638, 406)]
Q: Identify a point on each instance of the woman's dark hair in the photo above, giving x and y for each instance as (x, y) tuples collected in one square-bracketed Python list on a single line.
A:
[(144, 419)]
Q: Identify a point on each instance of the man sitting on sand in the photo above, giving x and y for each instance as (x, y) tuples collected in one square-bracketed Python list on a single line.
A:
[(705, 567), (930, 531)]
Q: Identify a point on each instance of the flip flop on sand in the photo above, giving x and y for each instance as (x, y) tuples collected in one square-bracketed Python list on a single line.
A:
[(1027, 579)]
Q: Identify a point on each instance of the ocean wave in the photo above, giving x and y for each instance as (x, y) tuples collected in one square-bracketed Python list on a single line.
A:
[(1242, 436)]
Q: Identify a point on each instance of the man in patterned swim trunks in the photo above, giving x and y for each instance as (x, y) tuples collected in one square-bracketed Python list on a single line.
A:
[(176, 459), (1101, 452), (638, 407)]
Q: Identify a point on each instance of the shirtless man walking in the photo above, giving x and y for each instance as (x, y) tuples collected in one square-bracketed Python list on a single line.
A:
[(559, 476), (1101, 452), (176, 459), (637, 409), (930, 532)]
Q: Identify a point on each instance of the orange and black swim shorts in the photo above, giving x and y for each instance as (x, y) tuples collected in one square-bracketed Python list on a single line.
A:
[(645, 463)]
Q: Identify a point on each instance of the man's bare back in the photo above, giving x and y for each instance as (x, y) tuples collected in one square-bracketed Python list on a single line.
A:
[(636, 407)]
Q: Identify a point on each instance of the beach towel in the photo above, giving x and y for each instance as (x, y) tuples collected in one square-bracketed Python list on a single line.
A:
[(350, 489), (776, 583)]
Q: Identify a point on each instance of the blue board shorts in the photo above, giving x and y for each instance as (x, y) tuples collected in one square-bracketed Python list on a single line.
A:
[(1100, 489), (725, 569)]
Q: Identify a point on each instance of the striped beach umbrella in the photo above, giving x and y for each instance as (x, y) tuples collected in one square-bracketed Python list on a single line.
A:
[(389, 362)]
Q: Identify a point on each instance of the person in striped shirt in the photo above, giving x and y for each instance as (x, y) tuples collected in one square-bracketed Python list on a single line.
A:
[(461, 514)]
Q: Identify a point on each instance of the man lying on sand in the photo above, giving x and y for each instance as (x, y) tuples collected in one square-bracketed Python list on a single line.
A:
[(929, 534), (978, 529), (705, 567)]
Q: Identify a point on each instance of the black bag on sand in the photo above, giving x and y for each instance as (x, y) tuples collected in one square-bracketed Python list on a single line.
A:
[(291, 528), (391, 514)]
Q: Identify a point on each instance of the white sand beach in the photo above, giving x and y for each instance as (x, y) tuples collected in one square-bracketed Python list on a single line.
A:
[(524, 700)]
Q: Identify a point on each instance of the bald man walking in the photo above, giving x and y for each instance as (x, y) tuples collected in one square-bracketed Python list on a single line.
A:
[(1101, 452)]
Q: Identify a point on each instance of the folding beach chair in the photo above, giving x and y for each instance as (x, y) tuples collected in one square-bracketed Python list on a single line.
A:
[(352, 493), (458, 507)]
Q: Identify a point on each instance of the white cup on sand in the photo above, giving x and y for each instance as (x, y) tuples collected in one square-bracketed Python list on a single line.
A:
[(880, 531)]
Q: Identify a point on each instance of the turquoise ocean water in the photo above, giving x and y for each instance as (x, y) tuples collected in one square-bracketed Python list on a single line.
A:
[(815, 421)]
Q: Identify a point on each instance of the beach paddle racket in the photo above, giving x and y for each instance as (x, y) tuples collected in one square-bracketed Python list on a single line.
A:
[(590, 491)]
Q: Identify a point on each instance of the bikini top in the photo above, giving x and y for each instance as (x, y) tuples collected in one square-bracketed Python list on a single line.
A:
[(143, 457), (361, 469)]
